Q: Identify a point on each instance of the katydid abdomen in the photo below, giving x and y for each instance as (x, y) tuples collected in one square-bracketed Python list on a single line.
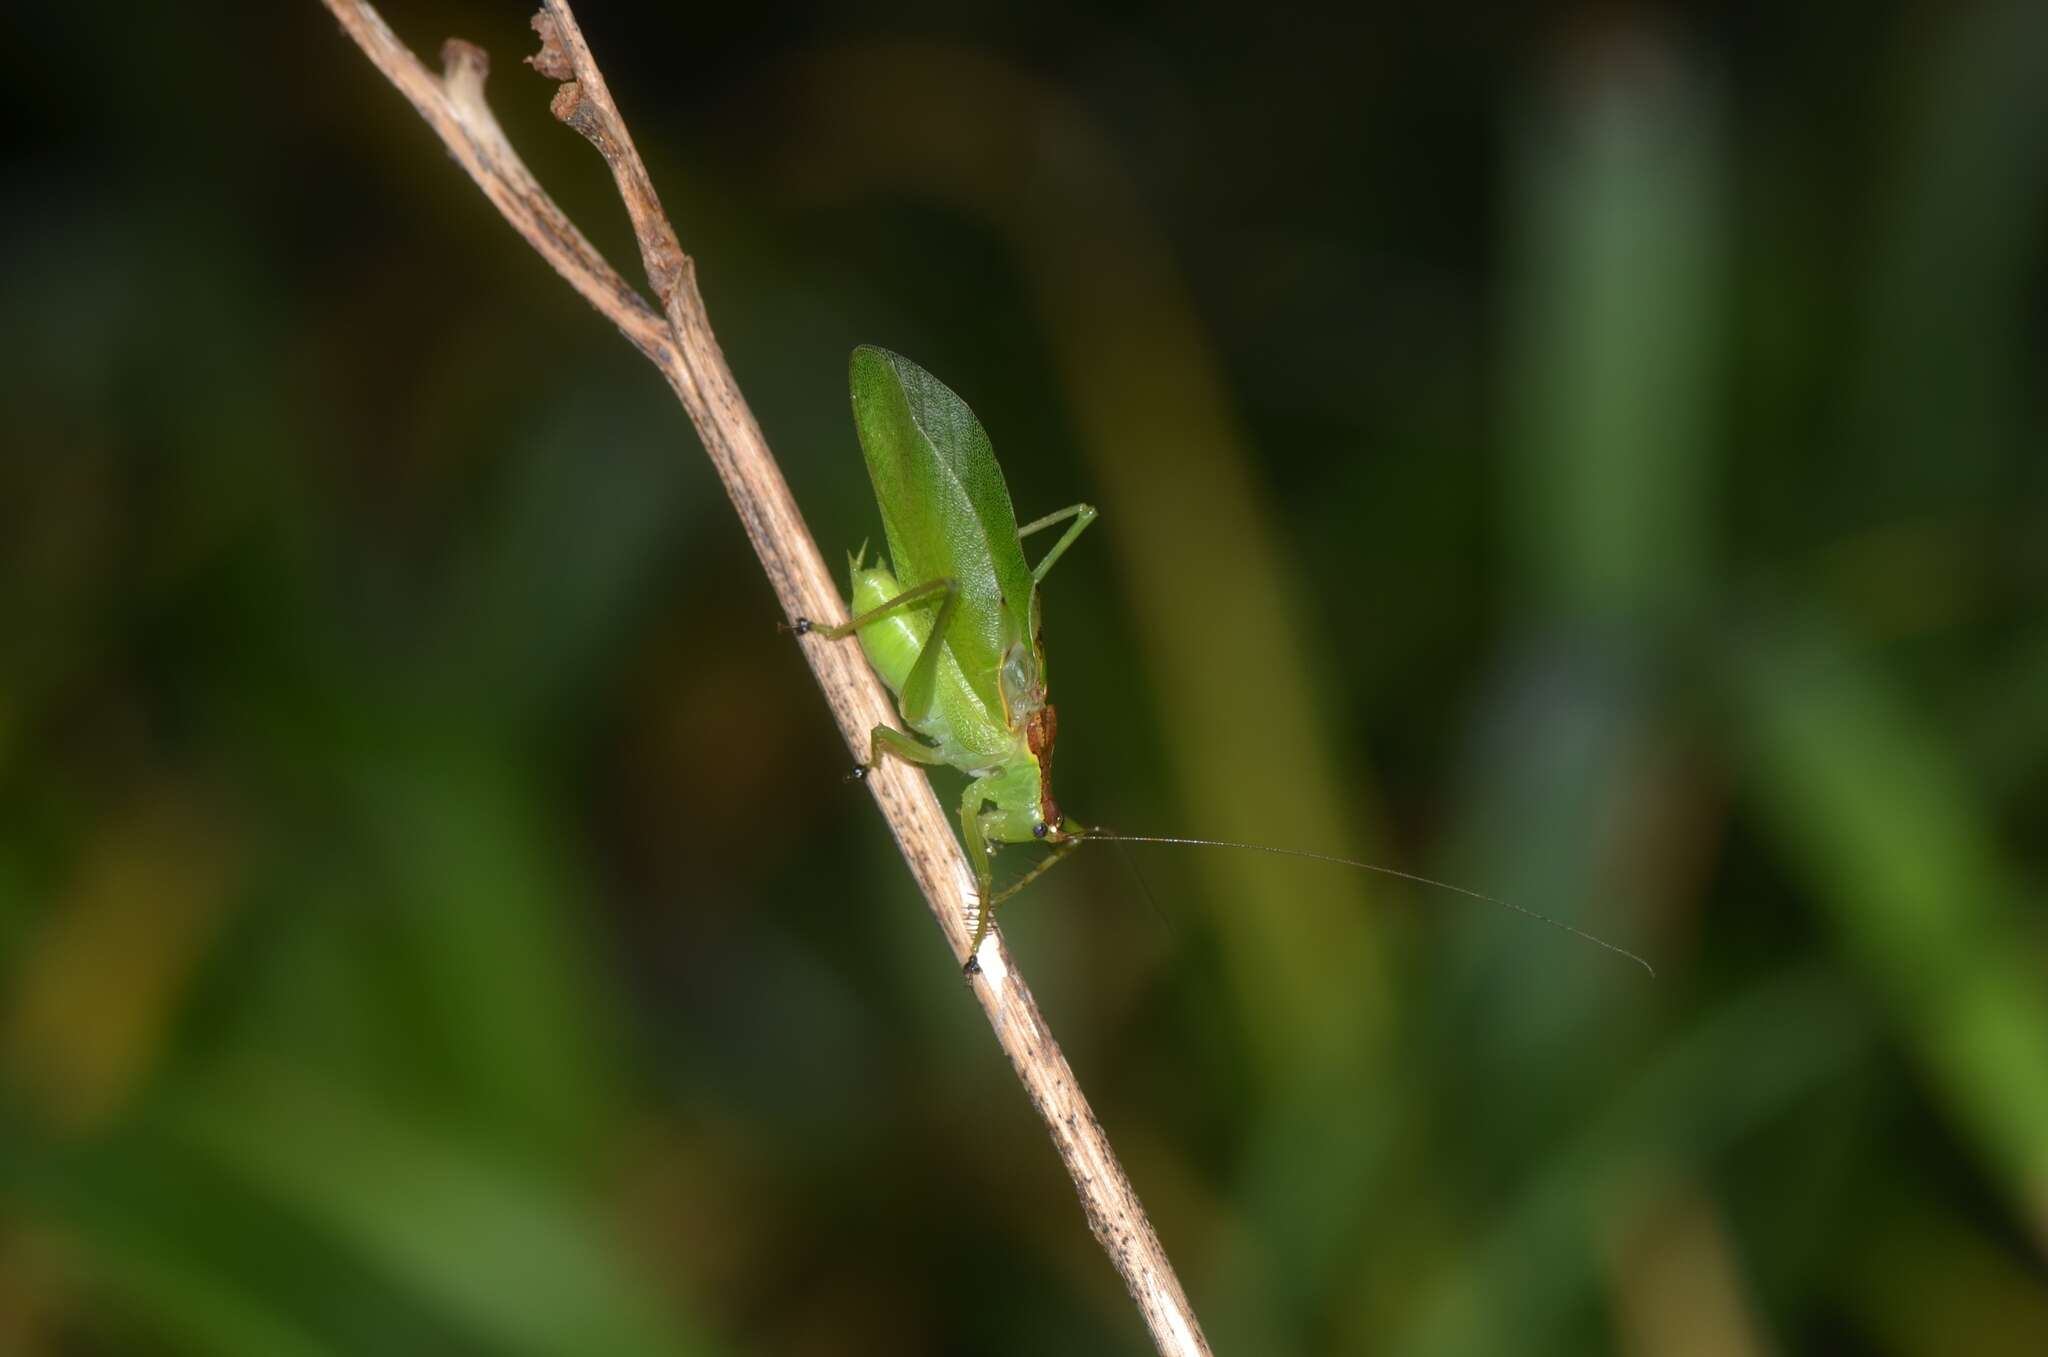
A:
[(955, 715)]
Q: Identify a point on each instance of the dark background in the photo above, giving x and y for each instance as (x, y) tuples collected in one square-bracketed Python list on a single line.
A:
[(1593, 454)]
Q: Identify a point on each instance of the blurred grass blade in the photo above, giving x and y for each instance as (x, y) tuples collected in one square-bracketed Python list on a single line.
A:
[(210, 1313), (1886, 827), (1617, 322), (1926, 1282), (504, 986), (1617, 302), (507, 1255), (1947, 393), (1719, 1080)]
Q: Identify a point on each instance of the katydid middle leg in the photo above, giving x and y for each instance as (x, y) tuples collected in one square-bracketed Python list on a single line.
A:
[(889, 740)]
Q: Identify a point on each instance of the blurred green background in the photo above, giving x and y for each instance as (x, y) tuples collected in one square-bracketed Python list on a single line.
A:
[(1594, 455)]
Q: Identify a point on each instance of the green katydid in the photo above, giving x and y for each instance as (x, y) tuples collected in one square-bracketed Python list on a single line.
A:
[(951, 624)]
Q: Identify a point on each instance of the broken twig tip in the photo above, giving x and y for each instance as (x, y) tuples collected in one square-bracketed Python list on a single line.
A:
[(460, 57), (551, 60)]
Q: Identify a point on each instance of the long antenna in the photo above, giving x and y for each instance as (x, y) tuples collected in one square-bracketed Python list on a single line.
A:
[(1335, 861)]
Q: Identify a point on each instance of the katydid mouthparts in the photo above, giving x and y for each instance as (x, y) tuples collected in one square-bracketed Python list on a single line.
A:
[(951, 624)]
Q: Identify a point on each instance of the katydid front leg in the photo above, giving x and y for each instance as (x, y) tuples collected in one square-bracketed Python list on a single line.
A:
[(978, 857), (1046, 864), (978, 820)]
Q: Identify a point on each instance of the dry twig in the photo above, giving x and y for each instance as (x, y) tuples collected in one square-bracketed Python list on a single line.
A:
[(679, 341)]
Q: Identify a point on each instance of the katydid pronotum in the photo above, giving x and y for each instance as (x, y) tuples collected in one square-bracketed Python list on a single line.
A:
[(951, 623)]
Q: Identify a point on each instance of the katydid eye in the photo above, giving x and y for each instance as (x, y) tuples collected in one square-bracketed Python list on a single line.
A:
[(1040, 830)]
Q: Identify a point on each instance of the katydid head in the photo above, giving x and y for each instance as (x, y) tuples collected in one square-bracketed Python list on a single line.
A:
[(1060, 830)]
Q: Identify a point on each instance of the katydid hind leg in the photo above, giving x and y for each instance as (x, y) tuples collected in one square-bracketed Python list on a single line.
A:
[(912, 597), (915, 701), (1082, 514)]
